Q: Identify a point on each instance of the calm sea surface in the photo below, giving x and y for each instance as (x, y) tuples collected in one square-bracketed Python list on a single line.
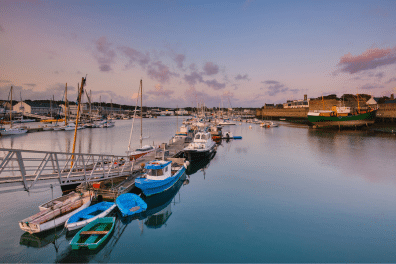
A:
[(283, 194)]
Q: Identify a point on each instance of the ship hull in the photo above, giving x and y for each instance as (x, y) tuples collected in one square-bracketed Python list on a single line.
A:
[(344, 121)]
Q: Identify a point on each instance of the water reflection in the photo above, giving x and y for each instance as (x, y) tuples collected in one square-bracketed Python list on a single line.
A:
[(356, 152), (197, 165), (159, 207), (41, 239)]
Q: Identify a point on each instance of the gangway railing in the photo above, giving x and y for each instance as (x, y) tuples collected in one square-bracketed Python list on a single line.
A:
[(31, 166)]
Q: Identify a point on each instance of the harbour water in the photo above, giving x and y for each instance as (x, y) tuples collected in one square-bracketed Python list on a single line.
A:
[(282, 194)]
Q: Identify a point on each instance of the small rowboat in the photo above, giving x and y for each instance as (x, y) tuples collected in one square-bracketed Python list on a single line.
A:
[(56, 215), (130, 204), (89, 215), (93, 234)]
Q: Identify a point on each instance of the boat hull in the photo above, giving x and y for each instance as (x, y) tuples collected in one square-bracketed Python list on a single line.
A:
[(130, 204), (93, 241), (151, 187), (88, 215), (345, 121), (52, 223), (197, 154)]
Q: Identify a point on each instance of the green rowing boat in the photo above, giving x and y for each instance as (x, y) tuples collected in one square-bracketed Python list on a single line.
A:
[(93, 234)]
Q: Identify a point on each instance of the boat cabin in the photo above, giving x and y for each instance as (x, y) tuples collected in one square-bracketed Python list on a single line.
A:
[(158, 169), (199, 137)]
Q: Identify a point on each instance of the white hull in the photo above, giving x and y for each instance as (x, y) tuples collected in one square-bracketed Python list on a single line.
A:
[(50, 224), (81, 224), (13, 131)]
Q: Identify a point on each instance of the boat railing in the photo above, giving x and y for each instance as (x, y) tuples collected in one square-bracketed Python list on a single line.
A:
[(30, 166)]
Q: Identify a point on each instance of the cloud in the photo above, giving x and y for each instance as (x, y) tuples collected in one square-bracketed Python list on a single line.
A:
[(369, 86), (368, 60), (214, 84), (57, 90), (210, 68), (5, 81), (270, 82), (391, 80), (30, 84), (192, 97), (242, 77), (104, 54), (276, 87), (193, 78), (179, 59), (160, 72), (135, 56), (2, 28), (160, 91), (192, 67)]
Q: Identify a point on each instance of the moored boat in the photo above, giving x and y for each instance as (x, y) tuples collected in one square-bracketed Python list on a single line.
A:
[(88, 215), (202, 146), (93, 234), (160, 176), (56, 215), (341, 117), (130, 204)]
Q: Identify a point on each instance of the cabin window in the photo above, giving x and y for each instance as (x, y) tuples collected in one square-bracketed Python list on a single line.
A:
[(198, 136), (152, 172), (166, 169)]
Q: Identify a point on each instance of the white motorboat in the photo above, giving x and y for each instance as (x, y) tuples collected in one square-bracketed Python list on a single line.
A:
[(201, 147), (13, 131)]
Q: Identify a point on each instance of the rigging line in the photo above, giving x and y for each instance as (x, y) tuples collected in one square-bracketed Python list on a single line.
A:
[(133, 121)]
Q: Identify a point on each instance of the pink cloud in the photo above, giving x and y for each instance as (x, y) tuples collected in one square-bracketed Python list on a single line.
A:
[(210, 68), (160, 72), (135, 56), (370, 59), (104, 54)]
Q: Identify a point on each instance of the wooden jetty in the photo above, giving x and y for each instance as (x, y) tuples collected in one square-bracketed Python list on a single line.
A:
[(69, 170), (110, 189)]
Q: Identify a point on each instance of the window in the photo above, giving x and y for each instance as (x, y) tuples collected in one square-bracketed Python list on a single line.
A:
[(198, 136)]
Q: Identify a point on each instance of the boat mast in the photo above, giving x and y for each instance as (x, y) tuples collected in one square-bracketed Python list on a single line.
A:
[(357, 95), (141, 113), (66, 108), (11, 110), (78, 115)]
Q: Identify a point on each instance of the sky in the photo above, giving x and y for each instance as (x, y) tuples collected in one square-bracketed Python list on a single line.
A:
[(218, 53)]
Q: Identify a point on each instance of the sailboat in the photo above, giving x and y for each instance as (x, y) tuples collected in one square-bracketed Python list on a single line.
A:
[(71, 126), (142, 150), (12, 130)]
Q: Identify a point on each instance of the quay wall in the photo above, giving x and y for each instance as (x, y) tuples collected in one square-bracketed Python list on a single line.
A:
[(385, 112)]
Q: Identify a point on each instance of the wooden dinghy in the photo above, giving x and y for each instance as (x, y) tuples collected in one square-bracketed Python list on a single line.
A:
[(56, 215), (89, 215), (130, 204), (93, 234), (60, 200)]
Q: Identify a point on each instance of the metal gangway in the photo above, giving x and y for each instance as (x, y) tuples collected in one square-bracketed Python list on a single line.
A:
[(30, 166)]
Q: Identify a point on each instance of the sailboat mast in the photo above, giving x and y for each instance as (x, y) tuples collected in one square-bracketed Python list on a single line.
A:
[(141, 113), (66, 108), (11, 110), (77, 117)]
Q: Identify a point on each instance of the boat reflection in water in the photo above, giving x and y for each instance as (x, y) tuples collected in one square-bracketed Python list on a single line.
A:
[(196, 165), (40, 240), (159, 205)]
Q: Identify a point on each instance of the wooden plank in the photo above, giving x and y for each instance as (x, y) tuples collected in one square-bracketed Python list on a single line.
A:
[(134, 209), (94, 232)]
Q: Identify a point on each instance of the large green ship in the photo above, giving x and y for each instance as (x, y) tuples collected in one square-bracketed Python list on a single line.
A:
[(344, 119)]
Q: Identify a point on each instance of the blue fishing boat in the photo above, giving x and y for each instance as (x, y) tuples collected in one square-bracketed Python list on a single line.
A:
[(160, 176), (89, 215), (93, 234), (130, 204)]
